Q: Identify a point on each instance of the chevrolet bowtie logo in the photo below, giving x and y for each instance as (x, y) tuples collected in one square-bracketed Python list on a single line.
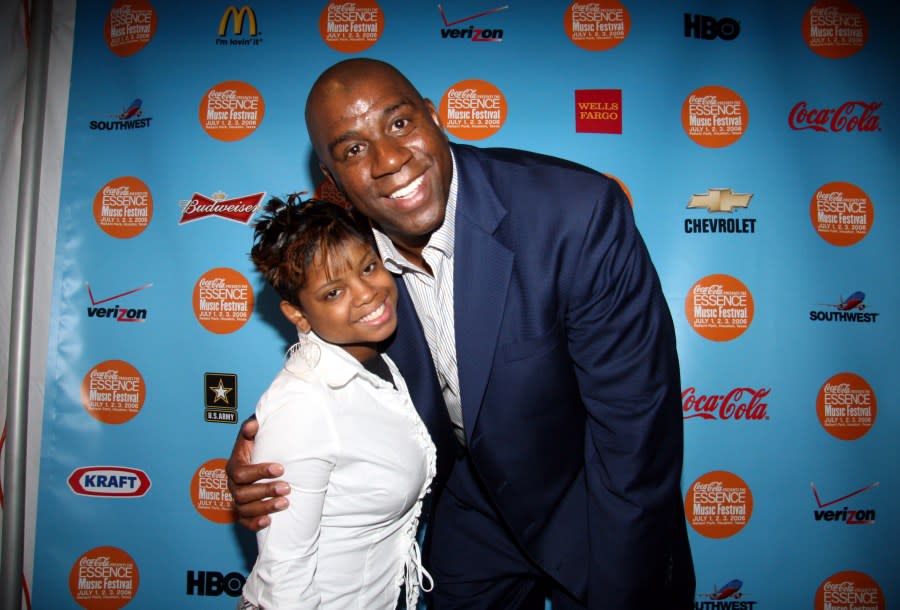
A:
[(720, 200)]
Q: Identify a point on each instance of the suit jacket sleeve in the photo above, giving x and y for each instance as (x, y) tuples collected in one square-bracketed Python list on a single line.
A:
[(622, 342)]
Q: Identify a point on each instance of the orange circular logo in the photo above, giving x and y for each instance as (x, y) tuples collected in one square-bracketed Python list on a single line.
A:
[(714, 116), (849, 589), (123, 207), (231, 110), (129, 26), (846, 406), (624, 188), (351, 27), (598, 25), (104, 578), (718, 504), (835, 28), (223, 300), (113, 392), (209, 492), (473, 109), (841, 213), (719, 307)]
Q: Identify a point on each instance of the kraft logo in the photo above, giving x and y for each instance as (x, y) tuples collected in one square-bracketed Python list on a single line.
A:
[(206, 582), (471, 33), (109, 482)]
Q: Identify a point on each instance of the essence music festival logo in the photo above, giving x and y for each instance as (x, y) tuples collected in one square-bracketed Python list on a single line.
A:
[(116, 313), (853, 115), (239, 36), (220, 390), (237, 209), (705, 27), (720, 201), (130, 117), (109, 482), (727, 597), (105, 577), (744, 403), (471, 33), (845, 310), (845, 514), (211, 583)]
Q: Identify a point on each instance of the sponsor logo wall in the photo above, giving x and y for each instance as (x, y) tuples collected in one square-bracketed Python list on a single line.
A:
[(757, 142)]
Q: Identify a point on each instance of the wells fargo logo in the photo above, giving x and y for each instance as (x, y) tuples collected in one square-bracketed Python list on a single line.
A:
[(598, 111), (835, 28), (351, 27), (473, 109), (113, 392), (209, 492), (850, 116), (123, 207), (739, 403), (714, 116), (846, 406), (599, 25), (718, 504), (841, 213), (129, 26), (104, 578), (236, 209)]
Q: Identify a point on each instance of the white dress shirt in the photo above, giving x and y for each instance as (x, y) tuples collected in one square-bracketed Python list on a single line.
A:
[(432, 297), (359, 461)]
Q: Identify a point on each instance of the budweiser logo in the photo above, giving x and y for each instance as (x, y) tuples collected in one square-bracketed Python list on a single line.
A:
[(850, 116), (237, 209), (739, 403)]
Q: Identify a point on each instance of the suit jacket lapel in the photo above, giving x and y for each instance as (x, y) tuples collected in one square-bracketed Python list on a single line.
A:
[(482, 269)]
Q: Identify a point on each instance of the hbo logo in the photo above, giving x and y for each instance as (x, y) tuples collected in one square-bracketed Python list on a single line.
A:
[(709, 28), (214, 583)]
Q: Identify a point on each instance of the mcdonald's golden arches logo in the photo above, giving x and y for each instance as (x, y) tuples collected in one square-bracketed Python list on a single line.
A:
[(237, 16)]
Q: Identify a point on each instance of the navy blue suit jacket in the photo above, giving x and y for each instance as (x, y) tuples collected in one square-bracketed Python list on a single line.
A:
[(568, 376)]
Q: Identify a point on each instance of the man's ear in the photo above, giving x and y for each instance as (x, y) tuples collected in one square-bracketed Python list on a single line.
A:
[(328, 175), (435, 115), (295, 316)]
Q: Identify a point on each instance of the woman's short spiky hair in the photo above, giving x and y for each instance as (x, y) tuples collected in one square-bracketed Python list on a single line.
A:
[(292, 235)]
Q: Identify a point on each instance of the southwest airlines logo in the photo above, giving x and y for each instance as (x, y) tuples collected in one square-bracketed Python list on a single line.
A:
[(471, 33), (725, 598), (850, 516), (130, 117), (237, 18)]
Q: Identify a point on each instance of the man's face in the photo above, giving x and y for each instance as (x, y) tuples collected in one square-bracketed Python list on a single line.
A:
[(385, 148)]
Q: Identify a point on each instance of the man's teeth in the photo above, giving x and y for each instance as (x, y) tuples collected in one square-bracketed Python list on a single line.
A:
[(374, 315), (408, 190)]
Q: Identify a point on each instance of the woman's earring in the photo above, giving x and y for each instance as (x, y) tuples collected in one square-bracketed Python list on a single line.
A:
[(306, 350)]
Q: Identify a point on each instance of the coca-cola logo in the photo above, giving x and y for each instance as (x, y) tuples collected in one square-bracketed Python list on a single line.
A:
[(850, 116), (739, 403)]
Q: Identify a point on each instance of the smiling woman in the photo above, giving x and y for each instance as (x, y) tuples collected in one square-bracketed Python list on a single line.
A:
[(339, 417)]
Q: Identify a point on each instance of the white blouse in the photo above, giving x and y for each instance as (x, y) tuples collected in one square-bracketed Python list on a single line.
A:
[(359, 461)]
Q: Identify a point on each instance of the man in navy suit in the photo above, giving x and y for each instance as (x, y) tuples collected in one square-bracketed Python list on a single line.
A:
[(538, 348)]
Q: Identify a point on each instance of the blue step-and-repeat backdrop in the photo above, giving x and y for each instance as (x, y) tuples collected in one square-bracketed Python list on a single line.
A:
[(757, 142)]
